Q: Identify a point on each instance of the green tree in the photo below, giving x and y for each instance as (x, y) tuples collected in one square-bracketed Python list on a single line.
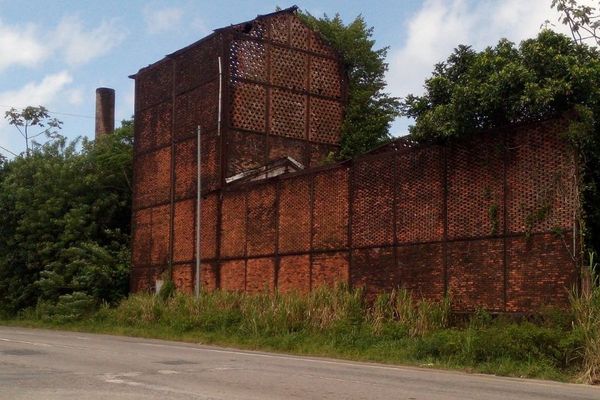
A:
[(583, 20), (33, 118), (65, 215), (547, 76), (542, 77), (370, 110)]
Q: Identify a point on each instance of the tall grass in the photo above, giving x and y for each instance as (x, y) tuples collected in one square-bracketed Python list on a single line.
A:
[(419, 317), (586, 311), (259, 314), (394, 327)]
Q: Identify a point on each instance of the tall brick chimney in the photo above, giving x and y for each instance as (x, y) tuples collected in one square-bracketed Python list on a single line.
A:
[(105, 111)]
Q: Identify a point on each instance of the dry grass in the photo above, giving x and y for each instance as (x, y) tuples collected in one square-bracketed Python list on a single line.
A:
[(586, 310)]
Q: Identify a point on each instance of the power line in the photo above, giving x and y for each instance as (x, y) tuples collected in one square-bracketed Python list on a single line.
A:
[(8, 151), (54, 112)]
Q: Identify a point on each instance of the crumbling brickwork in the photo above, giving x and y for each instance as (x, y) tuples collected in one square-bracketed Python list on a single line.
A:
[(489, 221)]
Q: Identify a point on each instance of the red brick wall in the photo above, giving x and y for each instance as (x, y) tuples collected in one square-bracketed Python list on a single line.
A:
[(477, 220), (286, 94), (427, 218)]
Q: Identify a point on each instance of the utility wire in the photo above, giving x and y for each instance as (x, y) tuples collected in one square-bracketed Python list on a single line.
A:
[(8, 151), (54, 112)]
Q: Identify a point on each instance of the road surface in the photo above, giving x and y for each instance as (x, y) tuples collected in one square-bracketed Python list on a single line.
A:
[(42, 364)]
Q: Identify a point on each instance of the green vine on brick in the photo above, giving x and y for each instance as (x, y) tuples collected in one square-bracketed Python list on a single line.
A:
[(494, 219), (536, 217), (548, 76)]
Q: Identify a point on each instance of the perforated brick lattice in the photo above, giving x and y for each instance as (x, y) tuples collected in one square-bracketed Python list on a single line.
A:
[(279, 29), (142, 237), (233, 225), (329, 269), (260, 275), (294, 274), (294, 215), (325, 120), (159, 254), (289, 68), (374, 270), (420, 272), (324, 77), (320, 154), (476, 187), (197, 65), (152, 178), (540, 272), (248, 107), (476, 275), (154, 86), (209, 167), (541, 181), (288, 114), (248, 60), (373, 202), (299, 34), (233, 275), (258, 30), (318, 45), (183, 278), (420, 195), (246, 151), (283, 97), (209, 276), (184, 231), (153, 128), (143, 279), (208, 231), (331, 210), (261, 221), (198, 107), (185, 169), (280, 147)]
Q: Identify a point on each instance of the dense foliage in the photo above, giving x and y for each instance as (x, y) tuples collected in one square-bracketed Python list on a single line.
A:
[(65, 212), (370, 110), (543, 77)]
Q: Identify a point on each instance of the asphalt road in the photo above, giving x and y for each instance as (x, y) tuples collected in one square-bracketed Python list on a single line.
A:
[(41, 364)]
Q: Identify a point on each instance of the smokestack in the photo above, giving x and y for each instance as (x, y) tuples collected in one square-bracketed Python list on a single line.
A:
[(105, 111)]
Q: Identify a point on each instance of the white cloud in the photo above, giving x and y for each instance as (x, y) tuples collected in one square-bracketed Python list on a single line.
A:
[(439, 26), (79, 45), (75, 97), (28, 46), (45, 92), (163, 19), (35, 93), (20, 46)]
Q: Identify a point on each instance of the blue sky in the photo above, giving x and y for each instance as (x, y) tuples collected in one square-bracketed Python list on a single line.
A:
[(56, 53)]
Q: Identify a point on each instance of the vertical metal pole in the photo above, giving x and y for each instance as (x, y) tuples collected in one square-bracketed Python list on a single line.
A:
[(220, 97), (198, 213)]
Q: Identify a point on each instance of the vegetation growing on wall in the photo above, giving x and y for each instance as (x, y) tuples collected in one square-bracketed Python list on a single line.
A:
[(370, 110), (547, 76), (65, 212)]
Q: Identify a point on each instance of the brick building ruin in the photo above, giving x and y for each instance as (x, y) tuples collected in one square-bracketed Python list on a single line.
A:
[(491, 221)]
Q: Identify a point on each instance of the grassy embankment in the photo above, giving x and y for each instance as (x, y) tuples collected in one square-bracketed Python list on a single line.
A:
[(560, 345)]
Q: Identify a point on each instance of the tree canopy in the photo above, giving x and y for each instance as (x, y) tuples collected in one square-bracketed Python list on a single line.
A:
[(370, 110), (547, 76), (33, 118), (471, 90), (65, 213)]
